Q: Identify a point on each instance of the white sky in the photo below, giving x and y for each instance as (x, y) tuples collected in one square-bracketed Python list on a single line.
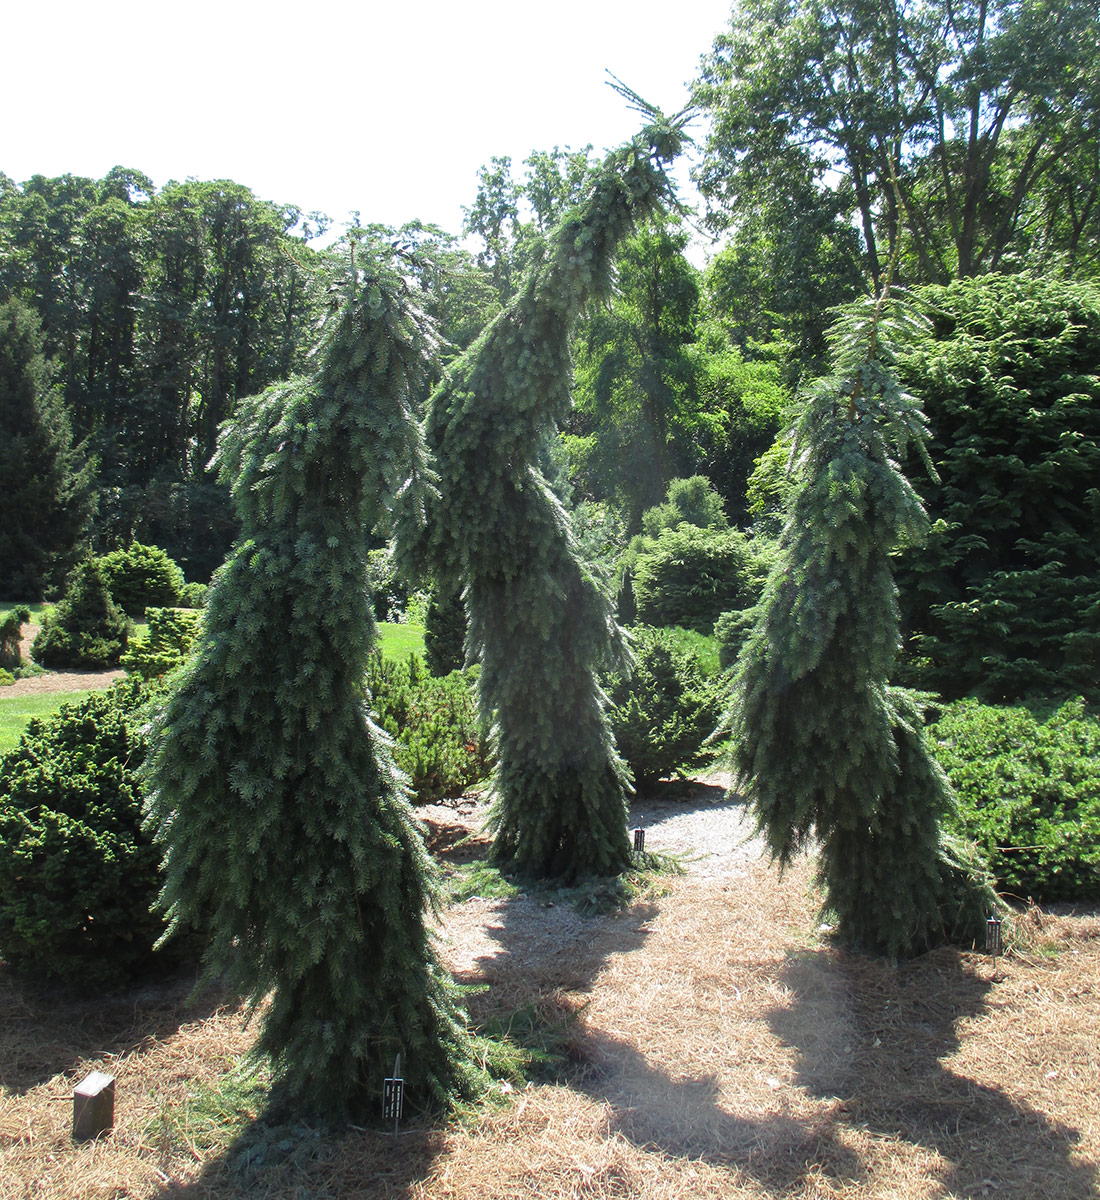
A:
[(334, 106)]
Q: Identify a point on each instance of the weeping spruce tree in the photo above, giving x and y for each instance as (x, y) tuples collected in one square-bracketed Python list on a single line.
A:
[(538, 622), (284, 821), (824, 748)]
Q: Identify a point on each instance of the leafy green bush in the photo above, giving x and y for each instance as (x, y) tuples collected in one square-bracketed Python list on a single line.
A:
[(690, 576), (77, 873), (86, 629), (171, 634), (439, 741), (139, 576), (1029, 793), (11, 629), (665, 710), (692, 501)]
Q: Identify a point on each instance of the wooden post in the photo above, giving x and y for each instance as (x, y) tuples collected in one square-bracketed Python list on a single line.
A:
[(93, 1105)]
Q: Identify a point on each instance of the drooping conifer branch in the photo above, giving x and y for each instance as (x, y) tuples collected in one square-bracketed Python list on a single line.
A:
[(823, 747), (539, 624), (284, 821)]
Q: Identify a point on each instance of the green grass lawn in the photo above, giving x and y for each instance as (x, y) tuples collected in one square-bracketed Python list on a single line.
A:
[(37, 610), (16, 711), (399, 641)]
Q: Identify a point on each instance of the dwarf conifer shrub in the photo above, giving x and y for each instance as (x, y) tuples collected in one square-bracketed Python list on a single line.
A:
[(77, 873), (86, 629), (193, 595), (172, 631), (690, 576), (139, 576), (11, 632), (1029, 793), (664, 711), (439, 740)]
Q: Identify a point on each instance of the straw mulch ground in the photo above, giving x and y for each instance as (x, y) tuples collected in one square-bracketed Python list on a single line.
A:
[(716, 1047)]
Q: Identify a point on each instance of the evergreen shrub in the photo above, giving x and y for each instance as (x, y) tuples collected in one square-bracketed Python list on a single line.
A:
[(1002, 601), (77, 873), (664, 711), (139, 576), (193, 595), (1028, 786), (86, 629), (439, 741), (172, 631), (11, 629), (731, 631), (445, 632), (690, 576)]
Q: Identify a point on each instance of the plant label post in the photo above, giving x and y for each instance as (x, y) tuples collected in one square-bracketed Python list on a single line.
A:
[(639, 841), (93, 1105), (393, 1096), (994, 943)]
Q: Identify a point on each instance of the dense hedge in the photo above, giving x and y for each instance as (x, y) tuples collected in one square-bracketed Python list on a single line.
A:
[(664, 711), (1029, 793), (77, 873)]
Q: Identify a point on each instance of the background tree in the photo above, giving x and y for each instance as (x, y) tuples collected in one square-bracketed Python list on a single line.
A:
[(539, 622), (822, 746), (46, 482), (1003, 600), (285, 823), (628, 434), (943, 130)]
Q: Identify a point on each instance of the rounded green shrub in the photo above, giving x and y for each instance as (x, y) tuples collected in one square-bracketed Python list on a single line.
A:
[(86, 629), (77, 873), (139, 576), (665, 710), (690, 576), (1029, 793)]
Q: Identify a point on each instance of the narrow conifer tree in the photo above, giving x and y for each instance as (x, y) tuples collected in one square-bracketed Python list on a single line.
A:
[(538, 622), (284, 820), (824, 748)]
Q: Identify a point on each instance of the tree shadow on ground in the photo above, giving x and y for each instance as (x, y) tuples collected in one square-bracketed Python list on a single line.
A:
[(874, 1038), (46, 1032)]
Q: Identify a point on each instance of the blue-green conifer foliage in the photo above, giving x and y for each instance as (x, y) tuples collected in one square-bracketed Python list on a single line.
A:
[(538, 621), (823, 748), (285, 823)]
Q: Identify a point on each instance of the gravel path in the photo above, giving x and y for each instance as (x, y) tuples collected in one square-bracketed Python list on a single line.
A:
[(56, 681)]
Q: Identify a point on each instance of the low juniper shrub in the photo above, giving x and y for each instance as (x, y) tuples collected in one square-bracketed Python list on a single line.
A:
[(1028, 784)]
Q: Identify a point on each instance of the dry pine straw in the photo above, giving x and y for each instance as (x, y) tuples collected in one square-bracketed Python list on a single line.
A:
[(717, 1049)]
